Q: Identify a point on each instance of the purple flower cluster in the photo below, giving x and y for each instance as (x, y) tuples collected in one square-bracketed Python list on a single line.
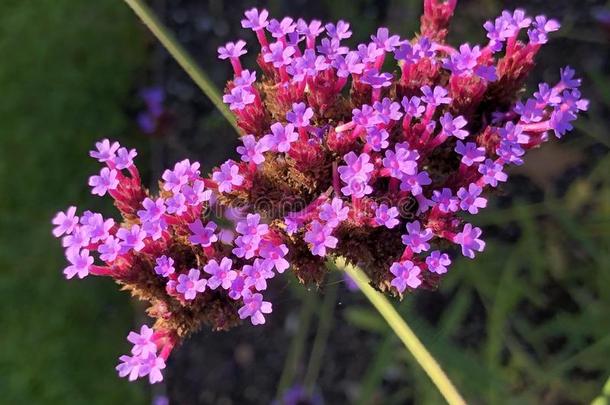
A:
[(402, 137), (338, 158)]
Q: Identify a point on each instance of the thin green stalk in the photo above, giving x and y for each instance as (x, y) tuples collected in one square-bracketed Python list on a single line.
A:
[(319, 344), (298, 343), (404, 333), (181, 56)]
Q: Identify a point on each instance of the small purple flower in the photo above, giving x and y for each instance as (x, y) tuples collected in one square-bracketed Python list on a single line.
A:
[(143, 343), (106, 181), (189, 285), (492, 172), (375, 79), (97, 228), (153, 366), (246, 246), (255, 20), (416, 238), (365, 116), (402, 161), (254, 307), (333, 213), (153, 210), (131, 366), (274, 254), (386, 216), (176, 204), (196, 194), (453, 126), (132, 238), (369, 53), (319, 237), (251, 226), (339, 31), (78, 239), (222, 274), (227, 177), (300, 115), (567, 78), (542, 26), (154, 229), (331, 48), (257, 274), (470, 200), (414, 182), (124, 158), (232, 50), (356, 174), (279, 55), (110, 249), (387, 110), (377, 138), (464, 61), (238, 287), (279, 29), (513, 133), (413, 106), (164, 266), (406, 274), (80, 263), (65, 222), (510, 152), (351, 63), (311, 29), (175, 179), (531, 111), (560, 122), (252, 150), (471, 154), (384, 40), (282, 136), (438, 262), (106, 151), (238, 98), (406, 52), (446, 201), (469, 240), (245, 79), (201, 235), (435, 97)]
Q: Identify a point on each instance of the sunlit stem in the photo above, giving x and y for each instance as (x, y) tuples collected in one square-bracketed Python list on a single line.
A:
[(403, 331), (182, 57)]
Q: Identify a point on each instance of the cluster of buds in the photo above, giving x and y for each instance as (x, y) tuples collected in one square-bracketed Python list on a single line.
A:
[(339, 158)]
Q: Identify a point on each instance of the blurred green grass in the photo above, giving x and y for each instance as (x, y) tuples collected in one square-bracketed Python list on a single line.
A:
[(66, 71)]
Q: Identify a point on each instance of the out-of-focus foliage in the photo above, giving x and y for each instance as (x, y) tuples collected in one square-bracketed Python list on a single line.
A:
[(66, 69)]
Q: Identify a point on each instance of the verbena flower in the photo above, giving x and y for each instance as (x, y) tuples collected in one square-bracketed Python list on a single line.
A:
[(338, 157)]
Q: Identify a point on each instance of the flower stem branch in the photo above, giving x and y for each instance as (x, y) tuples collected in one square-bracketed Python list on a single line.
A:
[(319, 344), (297, 345), (181, 56), (403, 331)]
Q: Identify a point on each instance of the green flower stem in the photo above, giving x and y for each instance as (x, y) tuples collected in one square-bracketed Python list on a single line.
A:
[(319, 344), (404, 333), (181, 56), (297, 346)]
